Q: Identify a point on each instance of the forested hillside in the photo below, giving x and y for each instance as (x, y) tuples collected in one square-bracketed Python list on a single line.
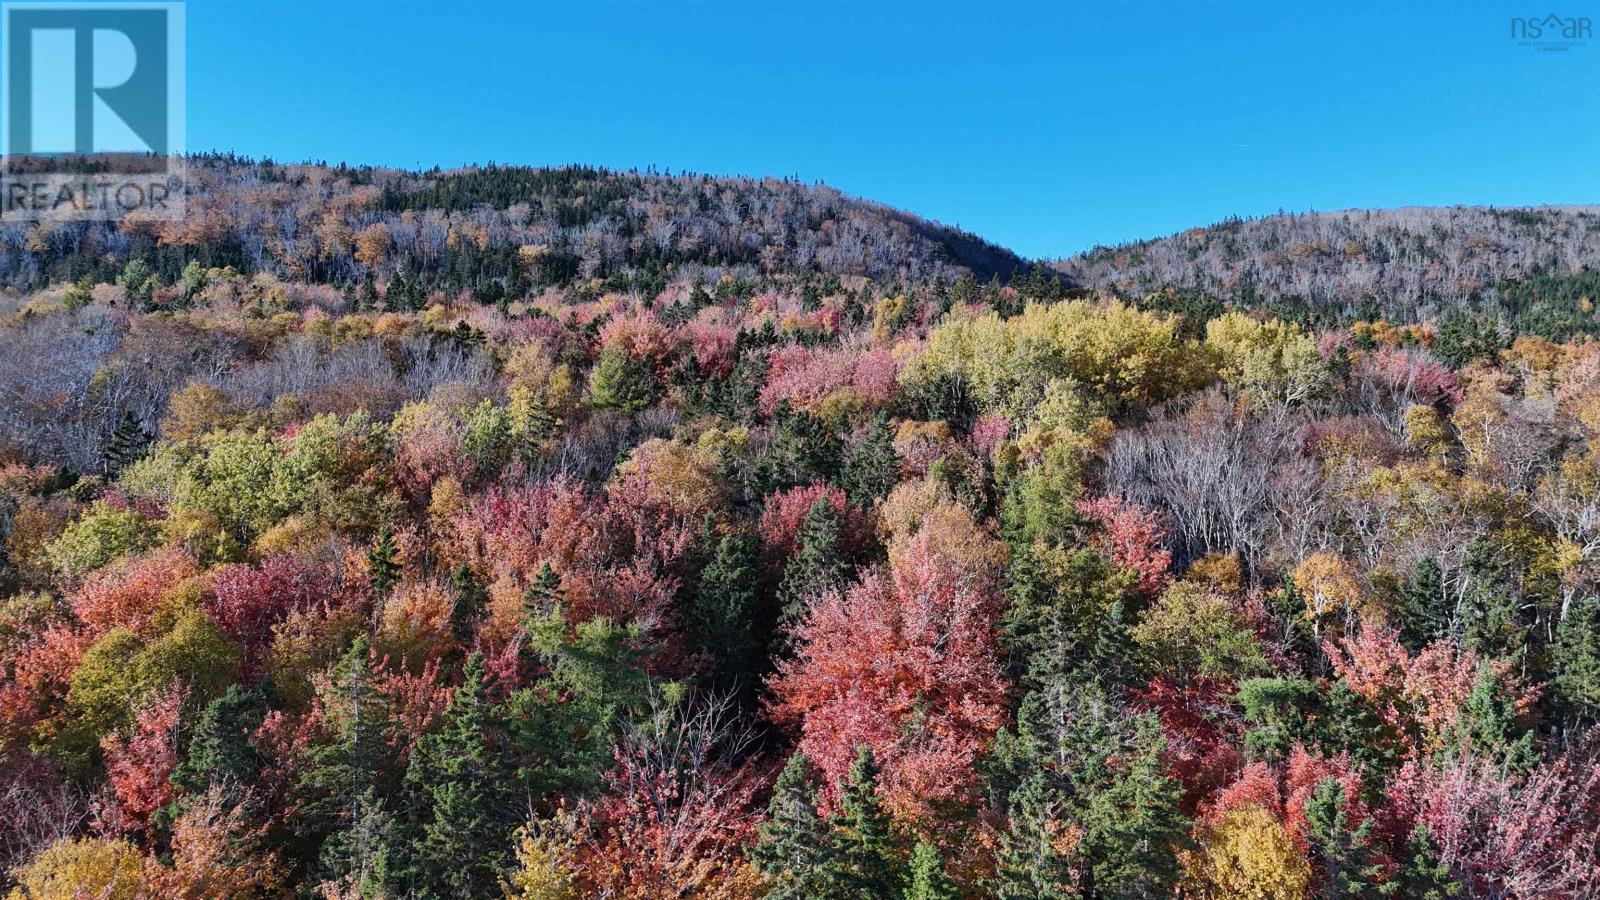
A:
[(492, 227), (1531, 268), (560, 533)]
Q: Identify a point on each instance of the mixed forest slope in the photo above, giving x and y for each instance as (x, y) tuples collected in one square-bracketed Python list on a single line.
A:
[(557, 533), (462, 229), (1530, 264)]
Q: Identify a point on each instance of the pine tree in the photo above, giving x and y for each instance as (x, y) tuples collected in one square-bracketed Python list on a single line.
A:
[(726, 620), (369, 294), (359, 860), (1067, 618), (537, 427), (805, 449), (1341, 853), (459, 835), (1030, 863), (870, 867), (873, 469), (79, 294), (570, 722), (383, 570), (796, 848), (927, 876), (816, 566), (351, 768)]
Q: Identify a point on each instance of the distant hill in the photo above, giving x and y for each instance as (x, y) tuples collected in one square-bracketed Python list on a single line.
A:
[(1413, 262), (459, 229)]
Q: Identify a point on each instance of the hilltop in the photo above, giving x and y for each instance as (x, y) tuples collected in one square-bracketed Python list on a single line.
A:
[(523, 227), (1404, 264)]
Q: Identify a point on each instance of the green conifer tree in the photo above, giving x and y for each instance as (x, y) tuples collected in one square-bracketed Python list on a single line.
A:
[(1488, 610), (1423, 876), (542, 596), (127, 443), (1342, 853), (1575, 657), (619, 382), (220, 749), (725, 619), (796, 848), (1490, 727), (344, 776), (471, 598), (870, 866), (873, 469), (460, 832), (1424, 610), (816, 566), (383, 567), (928, 880)]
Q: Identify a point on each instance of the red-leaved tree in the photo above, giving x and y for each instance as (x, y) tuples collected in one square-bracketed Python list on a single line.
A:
[(905, 662)]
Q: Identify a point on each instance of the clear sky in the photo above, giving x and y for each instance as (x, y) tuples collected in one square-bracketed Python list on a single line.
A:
[(1046, 127)]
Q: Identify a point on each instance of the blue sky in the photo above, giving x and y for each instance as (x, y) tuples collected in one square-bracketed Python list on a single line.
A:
[(1046, 127)]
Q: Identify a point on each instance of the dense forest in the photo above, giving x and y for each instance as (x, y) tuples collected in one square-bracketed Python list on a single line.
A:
[(567, 533)]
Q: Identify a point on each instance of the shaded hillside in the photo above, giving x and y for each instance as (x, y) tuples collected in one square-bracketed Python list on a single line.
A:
[(521, 228), (1414, 262)]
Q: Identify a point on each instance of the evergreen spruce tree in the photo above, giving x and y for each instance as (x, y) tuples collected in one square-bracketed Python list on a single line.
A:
[(360, 859), (873, 469), (1342, 853), (369, 299), (726, 621), (537, 428), (344, 778), (1489, 725), (383, 568), (619, 382), (870, 867), (928, 880), (796, 848), (1423, 876), (805, 449), (220, 750), (79, 294), (1075, 761), (459, 839), (1030, 863), (1488, 619), (1424, 611), (126, 444), (542, 596), (570, 722), (470, 598), (816, 566), (1067, 621), (1575, 657)]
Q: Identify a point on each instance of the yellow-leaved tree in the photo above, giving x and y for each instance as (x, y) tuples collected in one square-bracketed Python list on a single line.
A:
[(81, 867), (1249, 855)]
